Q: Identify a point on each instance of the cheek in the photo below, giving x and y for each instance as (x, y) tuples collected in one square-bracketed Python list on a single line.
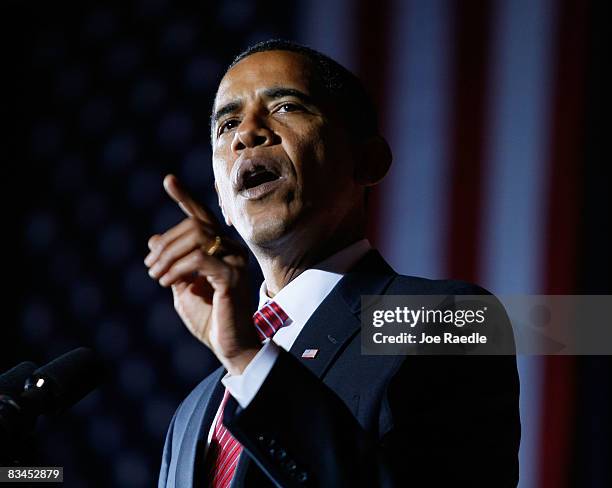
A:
[(326, 165), (323, 168), (221, 167), (221, 173), (309, 160), (312, 151)]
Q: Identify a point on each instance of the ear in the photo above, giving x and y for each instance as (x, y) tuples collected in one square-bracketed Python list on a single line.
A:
[(225, 216), (373, 162)]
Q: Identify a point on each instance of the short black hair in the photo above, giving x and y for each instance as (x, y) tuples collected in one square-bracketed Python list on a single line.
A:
[(342, 87)]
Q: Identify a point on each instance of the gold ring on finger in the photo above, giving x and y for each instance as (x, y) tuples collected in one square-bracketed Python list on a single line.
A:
[(214, 247)]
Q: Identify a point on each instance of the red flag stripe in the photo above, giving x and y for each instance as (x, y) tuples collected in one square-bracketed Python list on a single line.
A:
[(468, 122), (560, 254)]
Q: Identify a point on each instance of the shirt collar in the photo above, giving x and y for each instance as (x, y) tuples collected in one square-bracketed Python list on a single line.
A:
[(301, 296)]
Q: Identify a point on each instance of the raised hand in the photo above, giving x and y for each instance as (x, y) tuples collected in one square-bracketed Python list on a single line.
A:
[(207, 274)]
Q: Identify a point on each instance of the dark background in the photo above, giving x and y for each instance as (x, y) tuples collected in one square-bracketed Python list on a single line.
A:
[(109, 99), (104, 99)]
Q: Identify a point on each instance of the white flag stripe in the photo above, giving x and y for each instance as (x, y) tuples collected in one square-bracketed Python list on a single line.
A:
[(516, 144), (413, 209)]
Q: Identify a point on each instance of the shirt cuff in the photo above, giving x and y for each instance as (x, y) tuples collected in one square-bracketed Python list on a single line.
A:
[(244, 387)]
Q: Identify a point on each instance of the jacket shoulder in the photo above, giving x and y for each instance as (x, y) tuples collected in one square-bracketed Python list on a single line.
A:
[(403, 284)]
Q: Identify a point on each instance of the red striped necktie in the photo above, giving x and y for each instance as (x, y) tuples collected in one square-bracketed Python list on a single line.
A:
[(224, 450)]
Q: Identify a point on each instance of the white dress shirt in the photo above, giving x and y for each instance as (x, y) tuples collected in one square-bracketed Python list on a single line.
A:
[(299, 299)]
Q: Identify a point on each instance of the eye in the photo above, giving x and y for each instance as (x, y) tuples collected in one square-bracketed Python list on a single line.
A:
[(227, 125), (288, 107)]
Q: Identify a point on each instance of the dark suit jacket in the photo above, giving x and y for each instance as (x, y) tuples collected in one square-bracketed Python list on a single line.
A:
[(347, 419)]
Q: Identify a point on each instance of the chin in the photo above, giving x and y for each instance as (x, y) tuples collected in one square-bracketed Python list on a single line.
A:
[(265, 231), (272, 224)]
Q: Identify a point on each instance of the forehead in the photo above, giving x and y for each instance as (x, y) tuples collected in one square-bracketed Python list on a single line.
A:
[(263, 70)]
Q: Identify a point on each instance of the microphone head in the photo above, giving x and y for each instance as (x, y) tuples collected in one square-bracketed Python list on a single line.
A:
[(13, 380), (68, 378)]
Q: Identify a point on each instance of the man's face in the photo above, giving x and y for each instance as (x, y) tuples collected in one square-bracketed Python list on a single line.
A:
[(283, 163)]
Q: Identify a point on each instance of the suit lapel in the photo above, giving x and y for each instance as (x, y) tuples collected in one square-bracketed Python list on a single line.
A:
[(338, 318), (331, 326), (190, 466), (326, 331)]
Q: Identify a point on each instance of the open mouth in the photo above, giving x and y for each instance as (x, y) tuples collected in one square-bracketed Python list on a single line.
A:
[(258, 176), (255, 177)]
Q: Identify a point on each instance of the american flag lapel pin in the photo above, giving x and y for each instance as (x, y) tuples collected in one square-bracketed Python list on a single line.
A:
[(310, 353)]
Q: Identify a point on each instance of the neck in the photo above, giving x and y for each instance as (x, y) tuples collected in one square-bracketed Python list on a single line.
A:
[(300, 250)]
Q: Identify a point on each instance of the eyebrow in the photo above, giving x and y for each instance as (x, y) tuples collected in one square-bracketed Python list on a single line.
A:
[(280, 92), (271, 93), (228, 108)]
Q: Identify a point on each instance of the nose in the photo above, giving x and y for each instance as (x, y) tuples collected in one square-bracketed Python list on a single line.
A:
[(252, 132)]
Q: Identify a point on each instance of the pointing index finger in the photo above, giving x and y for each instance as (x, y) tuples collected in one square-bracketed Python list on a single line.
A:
[(185, 201)]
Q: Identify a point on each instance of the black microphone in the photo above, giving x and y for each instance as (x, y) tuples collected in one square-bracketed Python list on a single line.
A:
[(47, 390), (64, 381), (13, 380)]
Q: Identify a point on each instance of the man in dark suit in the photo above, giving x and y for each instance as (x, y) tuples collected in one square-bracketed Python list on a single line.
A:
[(295, 402)]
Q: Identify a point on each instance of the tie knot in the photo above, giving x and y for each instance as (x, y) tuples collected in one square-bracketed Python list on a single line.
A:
[(268, 319)]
